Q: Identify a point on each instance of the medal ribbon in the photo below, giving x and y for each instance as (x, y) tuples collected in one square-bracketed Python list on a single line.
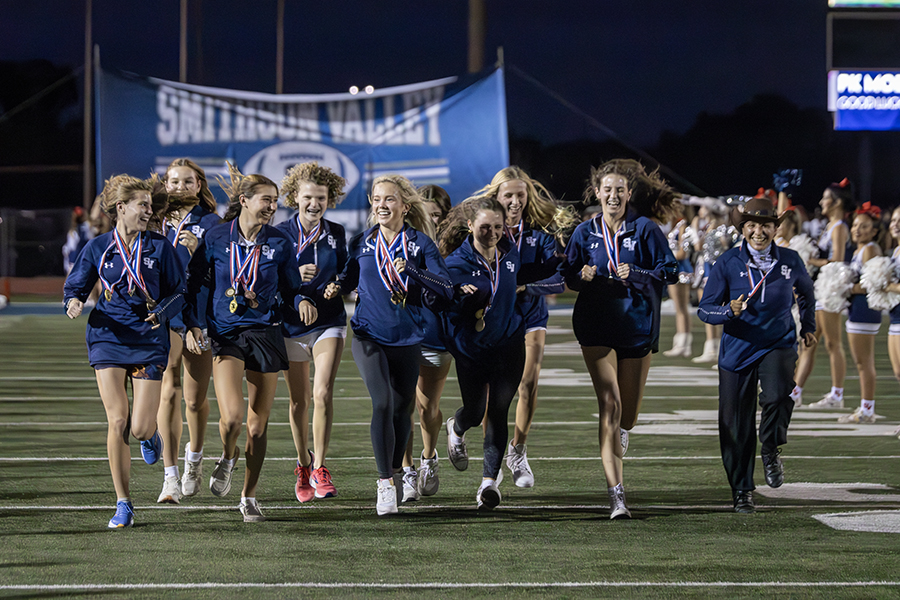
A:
[(493, 275), (132, 262), (107, 286), (612, 247), (515, 233), (244, 269), (754, 286), (178, 229), (384, 257), (303, 241)]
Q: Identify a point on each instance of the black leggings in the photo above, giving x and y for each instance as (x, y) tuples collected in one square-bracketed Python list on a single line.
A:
[(390, 374), (492, 380)]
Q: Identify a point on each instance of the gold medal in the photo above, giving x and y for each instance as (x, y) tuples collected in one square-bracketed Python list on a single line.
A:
[(131, 291), (479, 314), (479, 325), (108, 295), (252, 303), (232, 306), (395, 298), (151, 304), (230, 292), (250, 295)]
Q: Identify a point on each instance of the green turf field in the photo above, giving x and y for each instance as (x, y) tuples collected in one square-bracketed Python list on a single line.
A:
[(554, 540)]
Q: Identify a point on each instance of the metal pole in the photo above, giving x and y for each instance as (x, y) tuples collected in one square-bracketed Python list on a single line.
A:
[(87, 189), (182, 45), (476, 35), (279, 49)]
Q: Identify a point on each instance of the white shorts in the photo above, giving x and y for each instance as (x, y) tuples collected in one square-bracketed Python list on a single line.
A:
[(434, 358), (863, 328), (299, 349), (541, 328), (894, 329)]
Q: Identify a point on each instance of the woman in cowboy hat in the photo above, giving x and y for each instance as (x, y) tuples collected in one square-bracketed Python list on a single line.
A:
[(750, 291)]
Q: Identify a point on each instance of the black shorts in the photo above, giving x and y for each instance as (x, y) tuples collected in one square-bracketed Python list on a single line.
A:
[(148, 372), (261, 348)]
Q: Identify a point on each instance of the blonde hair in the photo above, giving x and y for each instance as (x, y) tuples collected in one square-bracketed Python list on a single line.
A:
[(541, 209), (121, 188), (206, 196), (239, 185), (311, 172), (416, 216)]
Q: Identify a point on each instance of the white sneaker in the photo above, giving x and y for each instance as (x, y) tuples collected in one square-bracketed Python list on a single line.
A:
[(488, 495), (192, 478), (386, 500), (517, 461), (456, 447), (410, 482), (250, 509), (617, 508), (171, 492), (828, 401), (220, 482), (623, 439), (428, 475), (710, 352), (897, 433), (857, 416)]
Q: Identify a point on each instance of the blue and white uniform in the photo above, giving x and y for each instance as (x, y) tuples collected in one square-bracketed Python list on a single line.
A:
[(676, 241), (198, 221), (117, 333), (861, 319), (328, 251), (894, 328), (537, 250), (610, 312), (826, 248)]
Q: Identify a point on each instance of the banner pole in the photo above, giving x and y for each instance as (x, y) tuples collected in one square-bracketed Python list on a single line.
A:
[(87, 197)]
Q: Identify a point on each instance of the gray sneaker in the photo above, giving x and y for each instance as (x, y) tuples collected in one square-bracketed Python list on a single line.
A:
[(456, 447), (250, 509), (623, 439), (192, 477), (517, 461), (410, 485), (617, 508), (220, 482), (428, 475), (171, 491)]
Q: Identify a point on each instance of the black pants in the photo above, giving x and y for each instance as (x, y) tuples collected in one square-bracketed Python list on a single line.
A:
[(390, 374), (490, 381), (774, 373)]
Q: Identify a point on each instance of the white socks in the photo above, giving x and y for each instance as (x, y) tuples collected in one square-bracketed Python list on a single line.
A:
[(193, 456), (172, 471), (867, 407), (837, 393)]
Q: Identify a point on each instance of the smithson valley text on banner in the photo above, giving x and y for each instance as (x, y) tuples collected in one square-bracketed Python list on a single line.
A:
[(450, 132)]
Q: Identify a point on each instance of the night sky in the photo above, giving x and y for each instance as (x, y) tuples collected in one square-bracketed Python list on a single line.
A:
[(639, 67)]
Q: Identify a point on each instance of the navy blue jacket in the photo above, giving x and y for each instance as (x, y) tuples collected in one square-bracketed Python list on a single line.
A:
[(611, 312), (378, 319), (330, 254), (116, 331), (767, 323), (210, 268), (539, 249), (198, 222)]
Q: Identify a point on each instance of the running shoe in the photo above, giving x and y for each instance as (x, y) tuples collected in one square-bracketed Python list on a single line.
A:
[(303, 489), (171, 492), (857, 416), (152, 449), (828, 401), (488, 495), (386, 502), (456, 447), (623, 439), (220, 482), (250, 509), (410, 483), (617, 508), (192, 478), (428, 475), (517, 461), (321, 481), (124, 516)]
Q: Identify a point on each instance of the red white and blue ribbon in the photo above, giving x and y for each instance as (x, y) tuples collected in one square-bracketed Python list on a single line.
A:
[(132, 262), (107, 286), (178, 229), (755, 285), (244, 265), (384, 258), (612, 247), (493, 275), (515, 233), (304, 240)]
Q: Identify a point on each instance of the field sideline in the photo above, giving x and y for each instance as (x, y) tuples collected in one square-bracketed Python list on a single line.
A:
[(833, 529)]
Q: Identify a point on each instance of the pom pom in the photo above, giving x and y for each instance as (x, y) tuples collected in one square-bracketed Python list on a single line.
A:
[(803, 245), (689, 239), (833, 286), (876, 274)]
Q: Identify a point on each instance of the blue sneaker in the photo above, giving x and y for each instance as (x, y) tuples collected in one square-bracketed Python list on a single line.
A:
[(152, 449), (124, 516)]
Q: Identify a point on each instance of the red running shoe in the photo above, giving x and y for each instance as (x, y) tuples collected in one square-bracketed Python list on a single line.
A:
[(321, 480), (303, 489)]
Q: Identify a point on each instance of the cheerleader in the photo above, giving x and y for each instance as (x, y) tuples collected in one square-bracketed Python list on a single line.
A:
[(680, 243), (714, 237), (245, 263), (397, 272), (619, 262), (127, 337), (894, 288), (320, 247), (532, 223), (837, 200), (434, 366), (863, 323), (485, 333), (189, 214)]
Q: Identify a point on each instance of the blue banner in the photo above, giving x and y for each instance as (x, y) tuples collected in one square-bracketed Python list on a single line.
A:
[(451, 132), (864, 100)]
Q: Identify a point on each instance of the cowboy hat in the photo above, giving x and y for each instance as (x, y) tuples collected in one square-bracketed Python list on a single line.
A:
[(760, 210)]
